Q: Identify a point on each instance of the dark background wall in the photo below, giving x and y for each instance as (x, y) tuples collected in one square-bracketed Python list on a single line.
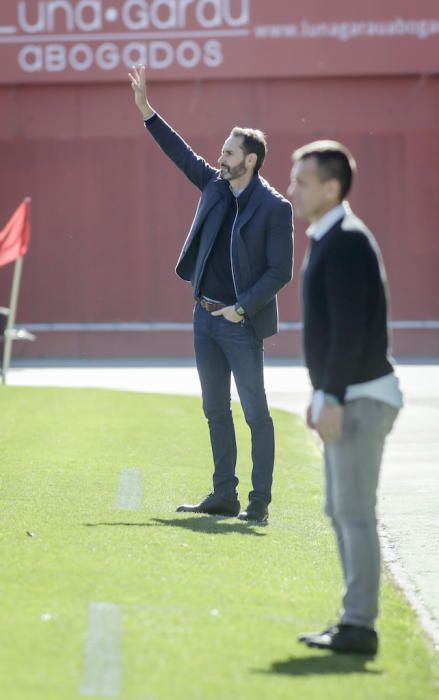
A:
[(110, 213)]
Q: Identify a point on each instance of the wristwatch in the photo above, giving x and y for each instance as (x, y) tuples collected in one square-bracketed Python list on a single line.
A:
[(239, 310), (330, 400)]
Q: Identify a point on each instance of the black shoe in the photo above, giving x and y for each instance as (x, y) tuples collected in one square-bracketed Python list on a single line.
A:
[(345, 639), (256, 511), (214, 504)]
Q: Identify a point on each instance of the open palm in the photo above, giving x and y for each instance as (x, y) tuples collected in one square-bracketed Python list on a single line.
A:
[(138, 84)]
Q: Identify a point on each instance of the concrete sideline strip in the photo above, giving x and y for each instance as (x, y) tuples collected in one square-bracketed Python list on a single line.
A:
[(129, 492), (403, 581), (102, 671)]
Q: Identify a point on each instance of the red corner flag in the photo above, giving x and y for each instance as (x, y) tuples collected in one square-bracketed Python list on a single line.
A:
[(14, 238)]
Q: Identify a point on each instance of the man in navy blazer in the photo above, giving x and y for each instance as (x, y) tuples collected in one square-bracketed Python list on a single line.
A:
[(237, 255)]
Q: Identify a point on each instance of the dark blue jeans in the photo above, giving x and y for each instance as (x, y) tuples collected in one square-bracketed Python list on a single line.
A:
[(222, 347)]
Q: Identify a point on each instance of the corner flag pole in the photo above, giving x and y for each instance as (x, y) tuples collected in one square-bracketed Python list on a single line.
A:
[(10, 326)]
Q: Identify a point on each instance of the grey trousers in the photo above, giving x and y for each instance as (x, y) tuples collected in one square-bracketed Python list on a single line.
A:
[(352, 466)]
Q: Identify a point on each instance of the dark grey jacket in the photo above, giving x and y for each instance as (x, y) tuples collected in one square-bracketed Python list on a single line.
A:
[(262, 237)]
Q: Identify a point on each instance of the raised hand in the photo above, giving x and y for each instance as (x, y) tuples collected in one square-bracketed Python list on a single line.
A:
[(138, 83)]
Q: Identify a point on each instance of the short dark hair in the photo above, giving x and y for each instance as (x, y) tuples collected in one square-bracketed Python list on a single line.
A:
[(334, 161), (253, 141)]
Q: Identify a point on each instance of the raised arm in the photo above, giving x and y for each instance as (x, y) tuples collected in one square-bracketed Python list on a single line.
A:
[(138, 83), (193, 166)]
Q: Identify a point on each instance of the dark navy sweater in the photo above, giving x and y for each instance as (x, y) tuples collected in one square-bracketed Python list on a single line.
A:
[(217, 282), (344, 296)]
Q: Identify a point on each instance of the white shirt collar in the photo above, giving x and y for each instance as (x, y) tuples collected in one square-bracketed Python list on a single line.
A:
[(318, 229)]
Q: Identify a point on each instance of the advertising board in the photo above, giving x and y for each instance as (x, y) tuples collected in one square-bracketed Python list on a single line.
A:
[(43, 41)]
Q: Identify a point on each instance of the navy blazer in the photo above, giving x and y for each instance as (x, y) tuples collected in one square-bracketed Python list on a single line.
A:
[(262, 240)]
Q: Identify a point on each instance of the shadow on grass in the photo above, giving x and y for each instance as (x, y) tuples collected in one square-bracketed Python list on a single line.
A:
[(211, 525), (206, 524), (325, 665), (118, 524)]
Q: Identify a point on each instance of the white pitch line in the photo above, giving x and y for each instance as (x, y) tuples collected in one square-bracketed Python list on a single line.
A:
[(153, 326), (129, 493), (102, 661)]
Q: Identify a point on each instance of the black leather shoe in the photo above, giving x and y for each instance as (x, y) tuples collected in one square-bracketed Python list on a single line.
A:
[(256, 511), (345, 639), (214, 504)]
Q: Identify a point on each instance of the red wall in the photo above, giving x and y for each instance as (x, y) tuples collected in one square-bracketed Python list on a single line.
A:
[(110, 213)]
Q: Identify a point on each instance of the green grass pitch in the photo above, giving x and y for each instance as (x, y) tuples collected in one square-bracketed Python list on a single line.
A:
[(210, 607)]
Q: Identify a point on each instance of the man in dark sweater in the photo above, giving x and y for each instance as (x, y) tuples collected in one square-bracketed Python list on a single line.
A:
[(237, 256), (356, 395)]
